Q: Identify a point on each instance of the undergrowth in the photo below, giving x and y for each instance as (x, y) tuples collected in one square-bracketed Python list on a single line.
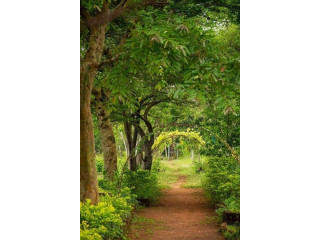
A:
[(222, 185), (107, 219)]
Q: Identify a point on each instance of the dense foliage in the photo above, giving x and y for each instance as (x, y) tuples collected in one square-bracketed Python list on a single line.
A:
[(169, 137), (107, 219), (222, 184), (144, 183), (164, 75)]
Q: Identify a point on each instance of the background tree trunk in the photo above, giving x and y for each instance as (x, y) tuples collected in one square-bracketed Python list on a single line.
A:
[(192, 154), (147, 160), (139, 152), (177, 152), (125, 143), (108, 141), (88, 172), (131, 144), (166, 151)]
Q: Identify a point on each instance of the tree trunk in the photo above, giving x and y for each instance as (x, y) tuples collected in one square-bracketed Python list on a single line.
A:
[(165, 151), (192, 155), (172, 152), (139, 157), (139, 152), (108, 141), (147, 160), (125, 145), (177, 152), (119, 151), (131, 144), (88, 172)]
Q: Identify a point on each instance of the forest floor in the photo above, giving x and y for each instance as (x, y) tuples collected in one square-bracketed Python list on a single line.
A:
[(181, 214)]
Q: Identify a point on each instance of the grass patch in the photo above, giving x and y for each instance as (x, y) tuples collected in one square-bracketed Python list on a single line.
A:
[(147, 225), (167, 175), (170, 170), (139, 222), (209, 220), (193, 181)]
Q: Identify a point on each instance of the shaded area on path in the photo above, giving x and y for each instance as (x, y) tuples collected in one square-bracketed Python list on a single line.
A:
[(182, 214)]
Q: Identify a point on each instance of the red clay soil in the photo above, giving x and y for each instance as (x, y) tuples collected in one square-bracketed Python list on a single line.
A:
[(183, 214)]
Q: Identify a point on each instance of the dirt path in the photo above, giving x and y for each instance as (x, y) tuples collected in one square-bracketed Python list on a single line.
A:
[(182, 214)]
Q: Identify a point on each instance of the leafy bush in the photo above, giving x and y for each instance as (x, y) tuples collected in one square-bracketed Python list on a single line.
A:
[(222, 184), (106, 220), (232, 233), (200, 165), (89, 234), (99, 220), (99, 163), (143, 183), (139, 184)]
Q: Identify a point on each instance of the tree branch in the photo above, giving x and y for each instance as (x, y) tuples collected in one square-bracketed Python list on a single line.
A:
[(106, 14), (152, 104), (108, 62)]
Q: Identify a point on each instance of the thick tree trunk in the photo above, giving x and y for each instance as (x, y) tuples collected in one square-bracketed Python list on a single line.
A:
[(88, 172), (139, 157), (147, 160), (108, 142)]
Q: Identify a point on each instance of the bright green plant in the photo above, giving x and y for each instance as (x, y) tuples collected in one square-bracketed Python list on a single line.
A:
[(99, 163), (101, 219), (89, 234), (106, 220), (222, 183), (143, 183), (168, 137), (231, 232)]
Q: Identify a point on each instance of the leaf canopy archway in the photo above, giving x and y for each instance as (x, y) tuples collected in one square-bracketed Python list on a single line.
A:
[(169, 137)]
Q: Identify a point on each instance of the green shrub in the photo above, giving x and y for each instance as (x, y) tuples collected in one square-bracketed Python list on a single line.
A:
[(122, 201), (231, 233), (99, 163), (89, 234), (222, 184), (144, 183), (101, 219), (199, 165), (106, 220), (139, 184)]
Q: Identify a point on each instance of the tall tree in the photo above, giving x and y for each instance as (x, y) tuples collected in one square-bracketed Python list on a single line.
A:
[(96, 24), (107, 138)]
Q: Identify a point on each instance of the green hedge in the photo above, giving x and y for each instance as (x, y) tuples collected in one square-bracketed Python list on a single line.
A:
[(222, 184), (106, 220), (143, 183)]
